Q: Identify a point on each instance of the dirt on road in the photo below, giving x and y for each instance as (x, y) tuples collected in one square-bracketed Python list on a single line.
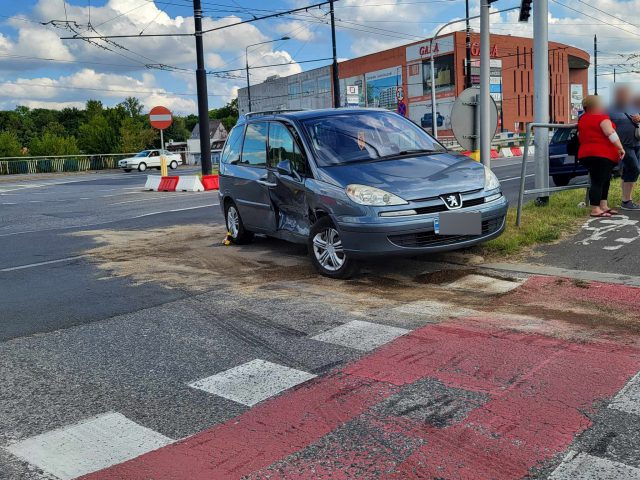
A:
[(194, 258)]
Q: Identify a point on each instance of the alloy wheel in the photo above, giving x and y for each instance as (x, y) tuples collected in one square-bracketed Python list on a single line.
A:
[(233, 221), (327, 248)]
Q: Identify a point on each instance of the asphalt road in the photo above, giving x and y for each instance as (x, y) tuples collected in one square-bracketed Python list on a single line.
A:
[(48, 285), (97, 355)]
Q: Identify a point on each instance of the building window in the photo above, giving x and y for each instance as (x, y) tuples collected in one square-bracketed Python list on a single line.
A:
[(519, 105), (528, 81), (308, 87), (324, 84), (514, 80), (294, 90), (517, 57)]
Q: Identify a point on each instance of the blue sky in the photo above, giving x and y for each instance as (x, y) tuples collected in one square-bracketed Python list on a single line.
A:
[(39, 69)]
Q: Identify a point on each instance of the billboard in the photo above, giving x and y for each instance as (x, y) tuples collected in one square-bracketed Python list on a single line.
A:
[(352, 91), (421, 114), (576, 100), (382, 87)]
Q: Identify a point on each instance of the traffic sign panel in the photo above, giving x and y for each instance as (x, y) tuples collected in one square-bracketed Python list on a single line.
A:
[(160, 117)]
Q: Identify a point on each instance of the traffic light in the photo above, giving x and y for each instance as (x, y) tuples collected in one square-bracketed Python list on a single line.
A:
[(525, 10)]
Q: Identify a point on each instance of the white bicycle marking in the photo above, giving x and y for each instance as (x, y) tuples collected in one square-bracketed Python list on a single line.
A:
[(614, 229)]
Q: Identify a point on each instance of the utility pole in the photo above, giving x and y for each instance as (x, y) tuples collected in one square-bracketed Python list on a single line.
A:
[(467, 78), (614, 75), (541, 96), (203, 100), (334, 67), (246, 59), (485, 92), (595, 64)]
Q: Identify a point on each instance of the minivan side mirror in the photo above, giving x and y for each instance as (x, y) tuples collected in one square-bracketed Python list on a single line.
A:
[(285, 168)]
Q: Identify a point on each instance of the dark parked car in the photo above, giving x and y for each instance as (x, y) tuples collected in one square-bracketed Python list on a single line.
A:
[(427, 122), (353, 183), (563, 167)]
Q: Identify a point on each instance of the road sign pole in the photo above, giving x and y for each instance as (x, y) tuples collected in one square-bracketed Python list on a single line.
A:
[(541, 95), (434, 119), (485, 96)]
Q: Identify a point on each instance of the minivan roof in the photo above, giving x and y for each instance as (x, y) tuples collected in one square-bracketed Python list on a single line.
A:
[(304, 114)]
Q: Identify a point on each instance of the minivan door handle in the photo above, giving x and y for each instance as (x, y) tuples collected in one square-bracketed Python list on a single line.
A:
[(266, 183)]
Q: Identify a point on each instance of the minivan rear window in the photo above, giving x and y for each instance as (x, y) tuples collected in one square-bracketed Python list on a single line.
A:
[(365, 136)]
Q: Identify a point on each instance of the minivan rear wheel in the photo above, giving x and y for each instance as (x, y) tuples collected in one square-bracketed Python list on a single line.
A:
[(237, 233), (326, 251)]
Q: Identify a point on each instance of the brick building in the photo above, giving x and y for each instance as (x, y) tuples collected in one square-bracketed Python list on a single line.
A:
[(400, 78)]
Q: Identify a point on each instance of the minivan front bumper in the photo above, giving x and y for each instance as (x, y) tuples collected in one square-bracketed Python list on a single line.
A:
[(415, 234)]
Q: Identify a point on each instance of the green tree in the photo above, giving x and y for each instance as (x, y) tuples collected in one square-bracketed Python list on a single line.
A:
[(52, 144), (132, 106), (93, 108), (135, 136), (9, 144), (178, 131), (227, 114), (97, 136)]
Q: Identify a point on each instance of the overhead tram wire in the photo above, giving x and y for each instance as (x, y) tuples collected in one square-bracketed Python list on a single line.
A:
[(222, 27)]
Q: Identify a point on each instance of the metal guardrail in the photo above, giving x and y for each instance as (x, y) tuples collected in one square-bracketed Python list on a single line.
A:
[(523, 171), (61, 163)]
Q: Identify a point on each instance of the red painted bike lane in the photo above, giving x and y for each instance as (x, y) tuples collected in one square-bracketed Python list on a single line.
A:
[(540, 392)]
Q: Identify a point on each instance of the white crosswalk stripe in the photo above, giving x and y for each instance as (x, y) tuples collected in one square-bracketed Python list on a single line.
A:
[(252, 382), (88, 446), (584, 466), (628, 399), (363, 336)]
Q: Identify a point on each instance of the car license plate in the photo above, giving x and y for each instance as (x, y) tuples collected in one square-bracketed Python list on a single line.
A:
[(459, 223)]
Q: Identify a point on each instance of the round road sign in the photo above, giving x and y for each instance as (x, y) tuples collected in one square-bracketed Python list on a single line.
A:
[(465, 115), (160, 117)]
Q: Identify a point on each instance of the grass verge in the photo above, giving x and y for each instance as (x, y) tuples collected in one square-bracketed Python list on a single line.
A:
[(560, 218)]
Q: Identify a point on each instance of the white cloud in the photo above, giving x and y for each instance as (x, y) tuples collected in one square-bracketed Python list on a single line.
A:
[(87, 83)]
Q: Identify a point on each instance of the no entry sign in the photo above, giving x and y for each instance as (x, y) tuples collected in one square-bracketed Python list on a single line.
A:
[(160, 117)]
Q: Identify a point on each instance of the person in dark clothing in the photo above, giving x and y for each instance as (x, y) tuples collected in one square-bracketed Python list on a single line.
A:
[(600, 150), (625, 116)]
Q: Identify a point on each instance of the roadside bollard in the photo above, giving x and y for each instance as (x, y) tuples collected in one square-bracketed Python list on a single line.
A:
[(163, 166)]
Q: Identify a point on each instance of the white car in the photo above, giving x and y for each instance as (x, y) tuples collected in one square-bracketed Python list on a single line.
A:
[(150, 159)]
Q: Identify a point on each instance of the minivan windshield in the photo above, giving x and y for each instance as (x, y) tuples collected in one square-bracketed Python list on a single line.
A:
[(368, 135)]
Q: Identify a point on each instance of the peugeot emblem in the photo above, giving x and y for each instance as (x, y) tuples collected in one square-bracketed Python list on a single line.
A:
[(452, 200)]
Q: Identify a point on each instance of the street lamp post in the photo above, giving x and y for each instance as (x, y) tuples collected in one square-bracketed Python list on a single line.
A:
[(246, 61)]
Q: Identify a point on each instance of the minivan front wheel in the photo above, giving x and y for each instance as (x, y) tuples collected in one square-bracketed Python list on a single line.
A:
[(327, 252), (235, 228)]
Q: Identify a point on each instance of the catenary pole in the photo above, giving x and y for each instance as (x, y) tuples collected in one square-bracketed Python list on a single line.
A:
[(467, 81), (203, 101), (541, 95), (246, 59), (595, 64), (485, 93), (334, 67)]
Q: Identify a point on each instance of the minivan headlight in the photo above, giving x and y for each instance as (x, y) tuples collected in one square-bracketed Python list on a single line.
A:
[(491, 182), (372, 196)]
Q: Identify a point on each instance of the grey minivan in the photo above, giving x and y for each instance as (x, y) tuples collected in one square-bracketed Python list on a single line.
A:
[(353, 183)]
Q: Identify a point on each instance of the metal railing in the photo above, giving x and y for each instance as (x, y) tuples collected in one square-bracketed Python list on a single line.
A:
[(523, 171), (61, 163)]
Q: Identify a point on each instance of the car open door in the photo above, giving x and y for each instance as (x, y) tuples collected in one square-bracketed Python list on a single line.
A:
[(286, 174)]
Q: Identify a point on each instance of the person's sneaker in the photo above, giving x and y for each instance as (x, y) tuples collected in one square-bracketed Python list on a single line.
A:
[(630, 205)]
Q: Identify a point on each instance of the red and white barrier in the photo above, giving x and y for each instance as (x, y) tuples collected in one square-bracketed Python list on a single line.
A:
[(182, 183), (505, 152), (189, 183), (153, 182), (516, 151)]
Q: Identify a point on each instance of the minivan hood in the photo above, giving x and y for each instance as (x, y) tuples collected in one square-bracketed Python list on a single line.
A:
[(413, 178)]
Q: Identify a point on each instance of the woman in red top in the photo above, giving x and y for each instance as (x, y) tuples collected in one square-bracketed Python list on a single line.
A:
[(600, 150)]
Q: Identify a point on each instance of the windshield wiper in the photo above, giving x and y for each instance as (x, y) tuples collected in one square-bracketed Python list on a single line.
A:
[(410, 152)]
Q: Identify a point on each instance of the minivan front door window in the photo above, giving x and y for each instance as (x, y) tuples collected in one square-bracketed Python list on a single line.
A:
[(282, 146)]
